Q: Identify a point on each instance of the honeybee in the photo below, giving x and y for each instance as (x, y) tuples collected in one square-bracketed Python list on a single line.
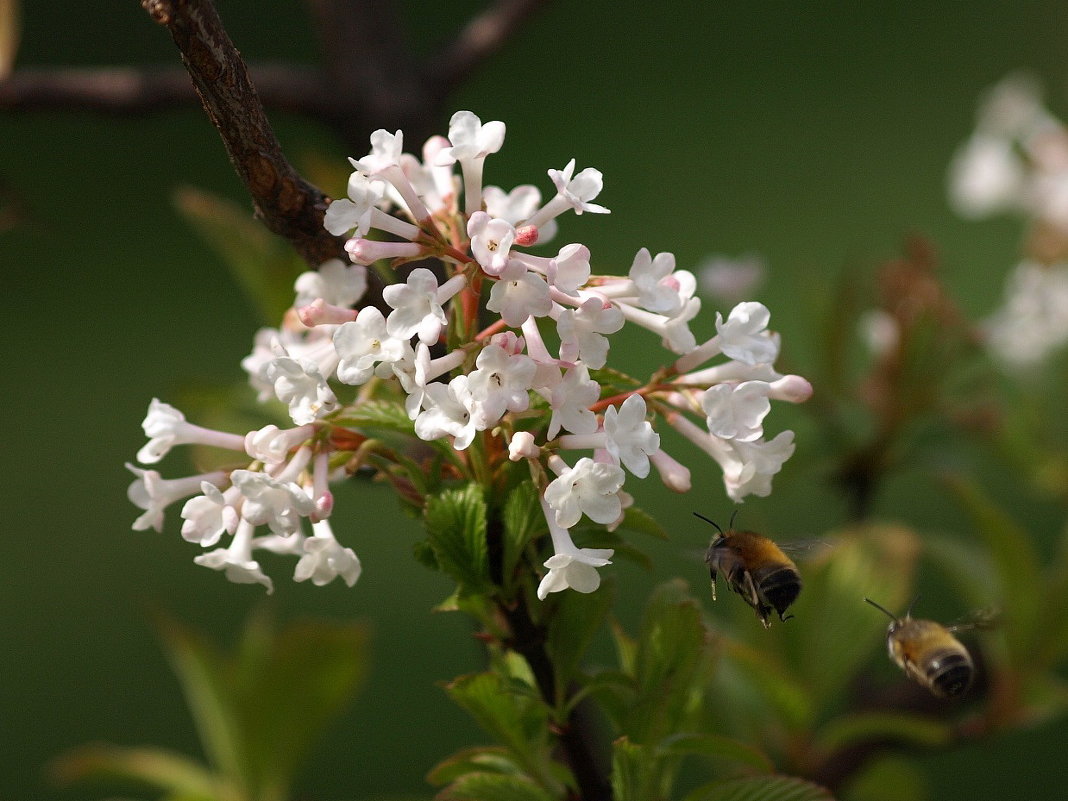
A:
[(755, 568), (929, 653)]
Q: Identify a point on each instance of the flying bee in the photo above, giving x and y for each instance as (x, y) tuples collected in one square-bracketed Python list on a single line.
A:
[(755, 568), (929, 653)]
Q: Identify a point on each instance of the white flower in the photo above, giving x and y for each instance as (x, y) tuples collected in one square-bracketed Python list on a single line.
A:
[(153, 493), (744, 335), (517, 206), (271, 444), (277, 504), (324, 559), (579, 190), (166, 427), (386, 149), (570, 401), (236, 561), (630, 438), (491, 241), (417, 306), (522, 446), (1033, 320), (677, 336), (581, 331), (660, 287), (570, 268), (363, 344), (519, 298), (570, 567), (449, 411), (356, 211), (470, 139), (751, 465), (209, 515), (299, 384), (737, 411), (334, 282), (502, 380), (986, 176), (590, 488)]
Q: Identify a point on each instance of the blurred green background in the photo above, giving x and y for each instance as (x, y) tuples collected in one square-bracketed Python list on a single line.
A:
[(817, 135)]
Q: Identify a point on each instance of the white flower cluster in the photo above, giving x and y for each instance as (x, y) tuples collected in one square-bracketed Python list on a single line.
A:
[(1016, 161), (525, 332)]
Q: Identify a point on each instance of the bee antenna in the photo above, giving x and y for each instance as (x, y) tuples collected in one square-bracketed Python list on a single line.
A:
[(882, 609), (908, 612), (734, 514), (709, 520)]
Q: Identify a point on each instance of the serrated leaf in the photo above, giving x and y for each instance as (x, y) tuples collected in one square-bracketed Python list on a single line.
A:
[(155, 767), (382, 414), (494, 787), (902, 727), (671, 665), (523, 520), (517, 719), (260, 263), (761, 788), (480, 759), (719, 747), (456, 527), (575, 621)]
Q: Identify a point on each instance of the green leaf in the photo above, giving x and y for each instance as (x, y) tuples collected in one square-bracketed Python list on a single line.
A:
[(456, 527), (641, 522), (512, 715), (671, 665), (291, 688), (575, 621), (719, 747), (1016, 563), (631, 764), (892, 778), (382, 414), (494, 787), (262, 264), (761, 788), (202, 673), (155, 767), (899, 727), (523, 521), (479, 759)]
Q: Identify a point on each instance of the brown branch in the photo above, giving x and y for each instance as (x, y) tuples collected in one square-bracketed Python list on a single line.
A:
[(286, 203), (483, 36)]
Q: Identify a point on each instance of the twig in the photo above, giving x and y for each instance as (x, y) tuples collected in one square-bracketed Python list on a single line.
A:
[(288, 205)]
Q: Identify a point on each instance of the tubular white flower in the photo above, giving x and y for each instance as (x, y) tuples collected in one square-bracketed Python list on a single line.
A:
[(572, 192), (325, 559), (517, 206), (417, 369), (582, 331), (570, 567), (384, 161), (449, 412), (590, 488), (417, 305), (166, 427), (355, 212), (661, 288), (236, 561), (491, 241), (363, 344), (299, 384), (471, 142), (277, 504), (630, 438), (674, 474), (737, 411), (336, 283), (319, 312), (368, 251), (519, 298), (502, 379), (570, 268), (153, 493), (271, 444), (570, 402), (209, 515)]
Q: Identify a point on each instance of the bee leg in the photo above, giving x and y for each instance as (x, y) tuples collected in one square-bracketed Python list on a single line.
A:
[(712, 576), (749, 592)]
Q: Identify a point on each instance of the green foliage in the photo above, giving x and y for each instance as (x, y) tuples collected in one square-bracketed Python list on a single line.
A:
[(258, 711), (761, 788), (456, 530)]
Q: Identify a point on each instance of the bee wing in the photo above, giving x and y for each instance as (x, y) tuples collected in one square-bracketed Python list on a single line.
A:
[(988, 617), (805, 548)]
